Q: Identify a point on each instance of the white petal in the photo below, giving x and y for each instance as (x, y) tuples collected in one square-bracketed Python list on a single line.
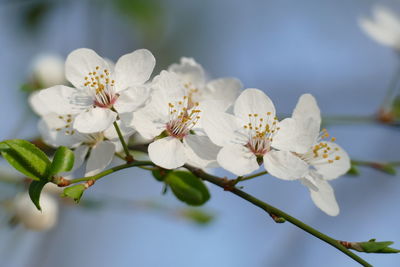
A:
[(37, 105), (190, 71), (222, 128), (379, 32), (48, 69), (296, 135), (170, 84), (388, 20), (147, 122), (324, 198), (80, 154), (54, 132), (340, 165), (254, 101), (167, 152), (100, 157), (62, 99), (307, 108), (226, 89), (94, 120), (80, 62), (134, 69), (237, 159), (285, 165), (31, 217), (200, 150), (132, 99)]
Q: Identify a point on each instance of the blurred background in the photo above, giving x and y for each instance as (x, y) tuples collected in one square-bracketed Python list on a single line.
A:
[(284, 47)]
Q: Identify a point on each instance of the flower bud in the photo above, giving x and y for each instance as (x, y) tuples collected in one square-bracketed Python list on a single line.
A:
[(33, 219)]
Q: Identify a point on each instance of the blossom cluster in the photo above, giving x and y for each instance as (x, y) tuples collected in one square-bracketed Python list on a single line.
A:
[(186, 119)]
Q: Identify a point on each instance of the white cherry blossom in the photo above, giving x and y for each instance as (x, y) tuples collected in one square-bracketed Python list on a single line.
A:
[(56, 130), (100, 90), (299, 138), (30, 217), (171, 120), (246, 135), (220, 92), (383, 27)]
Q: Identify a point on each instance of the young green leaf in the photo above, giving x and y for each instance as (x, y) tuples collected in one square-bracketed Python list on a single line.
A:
[(26, 158), (75, 192), (378, 247), (35, 189), (187, 187), (198, 216), (63, 161)]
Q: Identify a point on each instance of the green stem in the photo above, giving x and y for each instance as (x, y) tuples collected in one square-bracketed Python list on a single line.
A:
[(221, 182), (244, 178), (128, 157), (111, 170), (272, 210)]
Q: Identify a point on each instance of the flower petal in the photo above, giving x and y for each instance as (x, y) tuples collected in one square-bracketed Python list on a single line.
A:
[(62, 100), (296, 135), (54, 132), (147, 122), (307, 108), (339, 166), (285, 165), (237, 159), (387, 19), (254, 101), (190, 71), (226, 89), (80, 154), (100, 157), (132, 99), (134, 69), (200, 150), (80, 62), (222, 128), (37, 104), (94, 120), (167, 152), (324, 198)]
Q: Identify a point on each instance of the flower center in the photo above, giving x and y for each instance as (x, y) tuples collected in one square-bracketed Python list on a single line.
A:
[(260, 131), (321, 153), (182, 118), (101, 87)]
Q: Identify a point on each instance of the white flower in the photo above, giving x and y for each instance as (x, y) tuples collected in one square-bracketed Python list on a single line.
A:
[(384, 27), (99, 89), (224, 91), (299, 138), (48, 70), (172, 120), (56, 130), (33, 219), (246, 136)]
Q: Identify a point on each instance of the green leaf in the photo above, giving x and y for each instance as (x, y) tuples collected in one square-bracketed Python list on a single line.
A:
[(378, 247), (63, 161), (198, 216), (26, 158), (187, 187), (75, 192), (35, 189)]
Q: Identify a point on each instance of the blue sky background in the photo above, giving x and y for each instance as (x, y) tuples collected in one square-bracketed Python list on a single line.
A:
[(284, 47)]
